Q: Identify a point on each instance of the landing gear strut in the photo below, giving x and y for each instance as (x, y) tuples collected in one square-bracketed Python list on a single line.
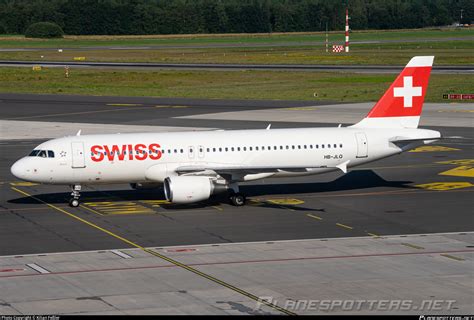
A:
[(75, 194), (235, 197)]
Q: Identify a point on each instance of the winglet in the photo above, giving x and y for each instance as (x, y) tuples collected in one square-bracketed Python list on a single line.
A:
[(78, 133), (343, 166), (269, 126)]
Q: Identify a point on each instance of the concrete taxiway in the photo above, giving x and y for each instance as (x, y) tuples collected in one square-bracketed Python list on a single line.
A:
[(427, 274), (355, 218), (457, 69)]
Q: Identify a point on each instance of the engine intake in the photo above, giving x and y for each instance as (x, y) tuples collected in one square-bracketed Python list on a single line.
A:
[(188, 189)]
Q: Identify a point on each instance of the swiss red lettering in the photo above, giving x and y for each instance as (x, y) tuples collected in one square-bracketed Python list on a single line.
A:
[(118, 152), (115, 151), (130, 152), (97, 154), (140, 152), (155, 152)]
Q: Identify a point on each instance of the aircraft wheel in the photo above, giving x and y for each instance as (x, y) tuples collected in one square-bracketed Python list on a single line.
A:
[(74, 203), (237, 199)]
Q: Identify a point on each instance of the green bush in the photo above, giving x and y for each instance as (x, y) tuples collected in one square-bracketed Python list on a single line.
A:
[(44, 30), (2, 29)]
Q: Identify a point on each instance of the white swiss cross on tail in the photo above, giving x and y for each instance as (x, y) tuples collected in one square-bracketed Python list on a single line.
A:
[(408, 91), (411, 84)]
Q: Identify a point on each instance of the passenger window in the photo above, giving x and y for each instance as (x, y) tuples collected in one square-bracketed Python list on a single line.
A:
[(340, 145), (322, 146), (299, 147), (329, 146), (213, 149), (335, 145), (220, 149), (293, 147), (317, 146), (287, 147), (182, 151), (256, 148), (226, 149), (238, 148), (304, 146), (311, 146), (250, 148), (245, 148), (281, 147), (232, 148), (207, 150)]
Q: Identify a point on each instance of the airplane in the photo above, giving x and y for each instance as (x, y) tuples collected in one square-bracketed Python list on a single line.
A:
[(192, 166)]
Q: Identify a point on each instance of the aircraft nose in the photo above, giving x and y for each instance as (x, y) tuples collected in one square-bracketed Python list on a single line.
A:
[(18, 169)]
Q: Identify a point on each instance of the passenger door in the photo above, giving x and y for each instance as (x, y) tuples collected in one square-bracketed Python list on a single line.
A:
[(78, 156), (362, 145)]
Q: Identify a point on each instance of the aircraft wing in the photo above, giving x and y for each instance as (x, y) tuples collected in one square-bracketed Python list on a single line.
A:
[(248, 169)]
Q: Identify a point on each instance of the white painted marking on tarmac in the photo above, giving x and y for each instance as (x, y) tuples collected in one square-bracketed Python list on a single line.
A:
[(38, 268), (121, 254)]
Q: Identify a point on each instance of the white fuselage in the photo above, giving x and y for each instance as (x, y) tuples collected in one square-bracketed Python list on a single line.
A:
[(151, 157)]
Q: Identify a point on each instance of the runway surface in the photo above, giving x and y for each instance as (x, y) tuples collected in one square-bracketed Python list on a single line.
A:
[(464, 69), (426, 191)]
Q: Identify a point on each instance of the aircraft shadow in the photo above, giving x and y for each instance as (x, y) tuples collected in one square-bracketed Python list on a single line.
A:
[(354, 180)]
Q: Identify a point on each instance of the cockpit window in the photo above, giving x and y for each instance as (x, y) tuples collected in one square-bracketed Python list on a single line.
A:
[(42, 153)]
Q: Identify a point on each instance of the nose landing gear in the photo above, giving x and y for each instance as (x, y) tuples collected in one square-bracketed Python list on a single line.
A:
[(75, 194)]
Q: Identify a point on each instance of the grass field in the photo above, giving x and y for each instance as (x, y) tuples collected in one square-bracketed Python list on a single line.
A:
[(220, 84), (12, 41), (450, 46), (447, 53)]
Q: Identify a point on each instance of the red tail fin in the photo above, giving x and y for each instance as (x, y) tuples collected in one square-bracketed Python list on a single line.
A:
[(402, 103)]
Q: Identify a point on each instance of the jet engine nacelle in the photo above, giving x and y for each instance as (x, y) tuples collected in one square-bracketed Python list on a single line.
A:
[(186, 189)]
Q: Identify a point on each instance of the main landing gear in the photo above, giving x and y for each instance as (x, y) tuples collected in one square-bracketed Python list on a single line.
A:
[(75, 194), (235, 197)]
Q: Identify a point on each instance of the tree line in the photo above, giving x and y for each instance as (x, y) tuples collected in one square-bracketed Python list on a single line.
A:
[(122, 17)]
